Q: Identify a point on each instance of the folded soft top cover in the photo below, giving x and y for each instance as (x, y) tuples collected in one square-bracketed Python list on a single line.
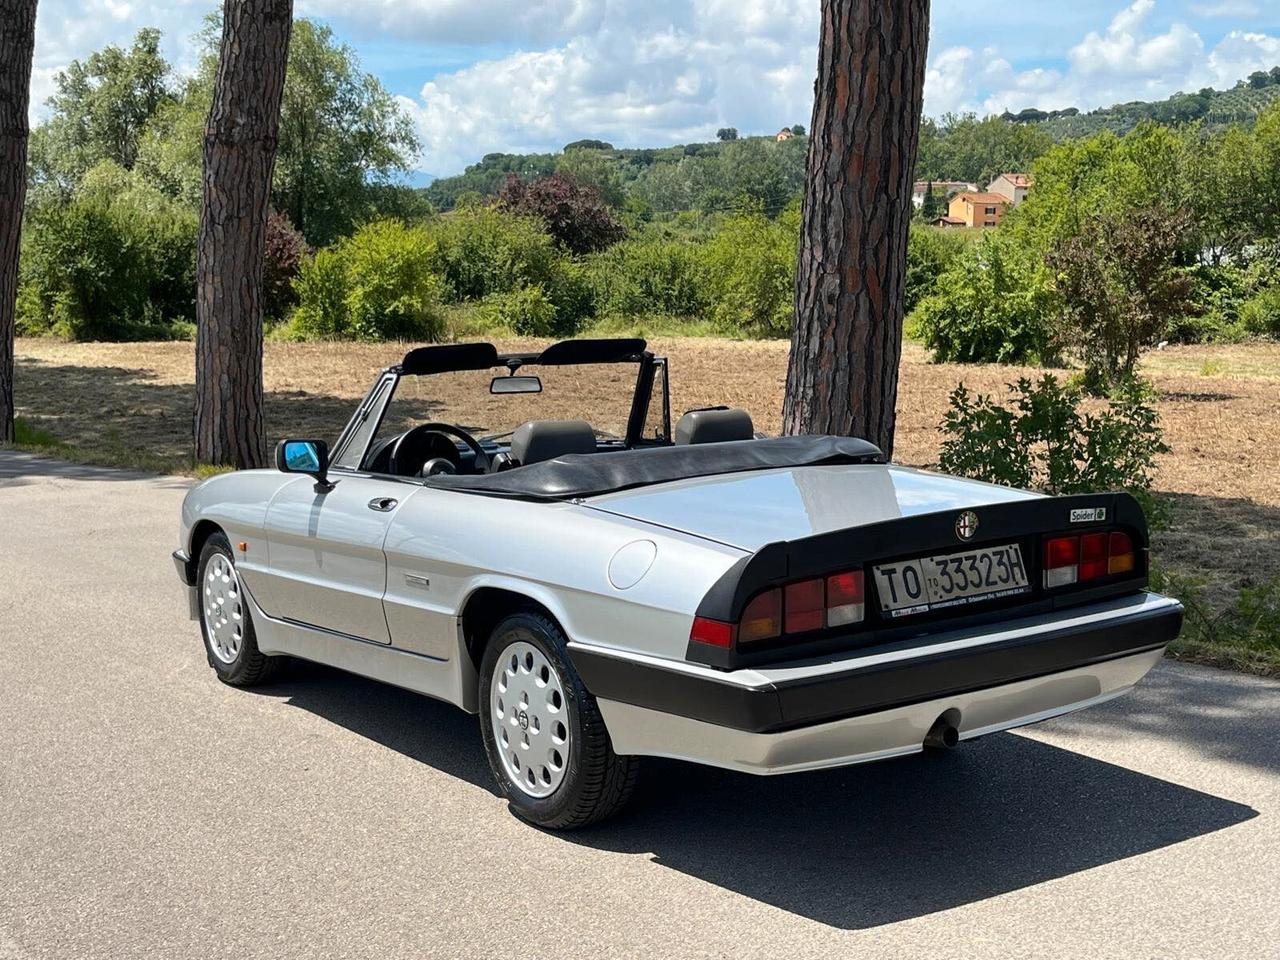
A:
[(592, 474)]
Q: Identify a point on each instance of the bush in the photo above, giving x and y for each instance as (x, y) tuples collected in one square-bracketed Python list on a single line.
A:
[(638, 278), (993, 305), (116, 261), (527, 311), (480, 250), (574, 213), (282, 262), (1041, 440), (1121, 289), (750, 269), (377, 284), (1260, 314), (930, 253)]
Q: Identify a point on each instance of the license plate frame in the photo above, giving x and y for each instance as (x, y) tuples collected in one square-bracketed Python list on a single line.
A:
[(947, 580)]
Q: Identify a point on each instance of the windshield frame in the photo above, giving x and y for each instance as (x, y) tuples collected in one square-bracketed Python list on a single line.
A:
[(380, 395)]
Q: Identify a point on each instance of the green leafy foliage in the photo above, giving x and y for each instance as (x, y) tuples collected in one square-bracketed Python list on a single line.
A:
[(115, 261), (526, 310), (930, 253), (750, 269), (1041, 439), (378, 284), (651, 276), (994, 304), (1121, 289), (481, 250)]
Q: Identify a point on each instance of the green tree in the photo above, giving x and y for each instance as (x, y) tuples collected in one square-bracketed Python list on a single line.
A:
[(1121, 288), (592, 167), (727, 133), (100, 108)]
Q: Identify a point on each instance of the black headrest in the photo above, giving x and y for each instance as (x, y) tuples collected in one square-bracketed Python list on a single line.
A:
[(714, 425), (540, 440)]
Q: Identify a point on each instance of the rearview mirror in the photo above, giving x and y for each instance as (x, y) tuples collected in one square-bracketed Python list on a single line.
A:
[(305, 456), (515, 385)]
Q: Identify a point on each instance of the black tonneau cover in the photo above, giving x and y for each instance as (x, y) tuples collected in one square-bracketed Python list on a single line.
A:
[(591, 474)]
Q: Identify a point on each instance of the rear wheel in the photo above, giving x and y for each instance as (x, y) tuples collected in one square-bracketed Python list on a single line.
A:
[(225, 624), (543, 733)]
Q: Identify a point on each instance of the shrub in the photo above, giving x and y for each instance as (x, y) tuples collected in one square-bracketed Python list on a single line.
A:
[(574, 213), (527, 311), (639, 278), (1121, 288), (115, 261), (1042, 440), (993, 305), (480, 250), (377, 284), (282, 262), (930, 253), (1260, 314), (750, 270)]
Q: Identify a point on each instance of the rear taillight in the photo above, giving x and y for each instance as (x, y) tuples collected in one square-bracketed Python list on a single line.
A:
[(1090, 556), (800, 607)]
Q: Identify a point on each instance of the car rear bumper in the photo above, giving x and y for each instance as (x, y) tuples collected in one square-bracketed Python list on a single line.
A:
[(874, 704)]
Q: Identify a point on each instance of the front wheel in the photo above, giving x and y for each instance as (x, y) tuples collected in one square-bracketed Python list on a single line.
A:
[(543, 733), (229, 638)]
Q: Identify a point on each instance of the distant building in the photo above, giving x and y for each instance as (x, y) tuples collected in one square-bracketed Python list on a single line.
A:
[(1014, 187), (948, 188), (784, 134), (978, 209), (947, 222)]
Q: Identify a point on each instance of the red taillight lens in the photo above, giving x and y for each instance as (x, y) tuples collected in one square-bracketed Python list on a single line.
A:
[(805, 606), (1120, 553), (711, 632), (846, 598), (762, 620), (1089, 556), (1093, 556)]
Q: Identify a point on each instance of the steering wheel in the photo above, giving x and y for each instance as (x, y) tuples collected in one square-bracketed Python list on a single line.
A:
[(400, 452)]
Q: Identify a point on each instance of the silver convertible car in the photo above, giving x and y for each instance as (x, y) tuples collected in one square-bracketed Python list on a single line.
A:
[(608, 588)]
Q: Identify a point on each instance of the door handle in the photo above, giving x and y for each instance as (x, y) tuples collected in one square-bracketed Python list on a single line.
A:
[(383, 504)]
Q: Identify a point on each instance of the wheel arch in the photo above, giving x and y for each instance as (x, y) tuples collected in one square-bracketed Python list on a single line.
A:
[(486, 607), (200, 534)]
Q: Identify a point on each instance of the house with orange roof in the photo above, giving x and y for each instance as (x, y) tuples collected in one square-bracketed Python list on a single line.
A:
[(1014, 187), (978, 209)]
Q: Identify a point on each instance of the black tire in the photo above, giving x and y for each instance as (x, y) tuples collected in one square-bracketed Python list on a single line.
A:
[(597, 783), (250, 666)]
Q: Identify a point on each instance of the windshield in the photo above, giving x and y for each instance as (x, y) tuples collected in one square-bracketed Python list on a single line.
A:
[(599, 393)]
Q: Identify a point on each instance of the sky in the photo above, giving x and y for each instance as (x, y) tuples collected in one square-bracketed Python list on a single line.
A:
[(480, 76)]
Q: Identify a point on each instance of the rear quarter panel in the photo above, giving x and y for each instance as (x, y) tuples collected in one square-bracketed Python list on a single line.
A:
[(558, 554)]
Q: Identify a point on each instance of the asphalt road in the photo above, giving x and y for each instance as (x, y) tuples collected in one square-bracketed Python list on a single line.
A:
[(148, 811)]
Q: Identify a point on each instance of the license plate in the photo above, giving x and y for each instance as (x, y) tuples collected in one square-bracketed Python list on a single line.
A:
[(950, 580)]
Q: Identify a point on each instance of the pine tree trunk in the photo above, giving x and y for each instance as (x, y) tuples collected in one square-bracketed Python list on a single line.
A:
[(842, 377), (17, 43), (240, 141)]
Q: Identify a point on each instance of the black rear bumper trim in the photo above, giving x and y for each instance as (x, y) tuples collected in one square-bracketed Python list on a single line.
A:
[(876, 687)]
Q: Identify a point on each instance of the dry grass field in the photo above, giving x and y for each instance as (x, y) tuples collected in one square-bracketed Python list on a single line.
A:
[(131, 404)]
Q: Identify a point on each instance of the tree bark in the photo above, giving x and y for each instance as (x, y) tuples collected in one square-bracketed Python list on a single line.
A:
[(240, 142), (842, 377), (17, 44)]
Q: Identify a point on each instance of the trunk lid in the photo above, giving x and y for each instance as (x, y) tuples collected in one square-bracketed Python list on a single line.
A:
[(750, 510)]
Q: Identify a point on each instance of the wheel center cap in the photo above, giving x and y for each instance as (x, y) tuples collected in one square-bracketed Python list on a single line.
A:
[(524, 720)]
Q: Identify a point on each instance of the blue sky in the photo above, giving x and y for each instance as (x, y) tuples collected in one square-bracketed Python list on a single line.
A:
[(486, 75)]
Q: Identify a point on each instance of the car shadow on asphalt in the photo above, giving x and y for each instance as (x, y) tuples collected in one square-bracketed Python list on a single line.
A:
[(853, 848)]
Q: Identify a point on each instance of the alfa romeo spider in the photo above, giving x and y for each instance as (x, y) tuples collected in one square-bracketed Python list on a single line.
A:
[(608, 586)]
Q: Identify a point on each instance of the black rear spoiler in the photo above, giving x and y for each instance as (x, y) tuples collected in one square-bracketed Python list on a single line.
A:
[(784, 561)]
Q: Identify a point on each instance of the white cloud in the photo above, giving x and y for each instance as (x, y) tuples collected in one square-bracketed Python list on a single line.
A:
[(650, 73), (463, 21)]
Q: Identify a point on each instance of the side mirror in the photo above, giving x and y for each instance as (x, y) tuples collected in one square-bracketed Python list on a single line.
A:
[(305, 456)]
